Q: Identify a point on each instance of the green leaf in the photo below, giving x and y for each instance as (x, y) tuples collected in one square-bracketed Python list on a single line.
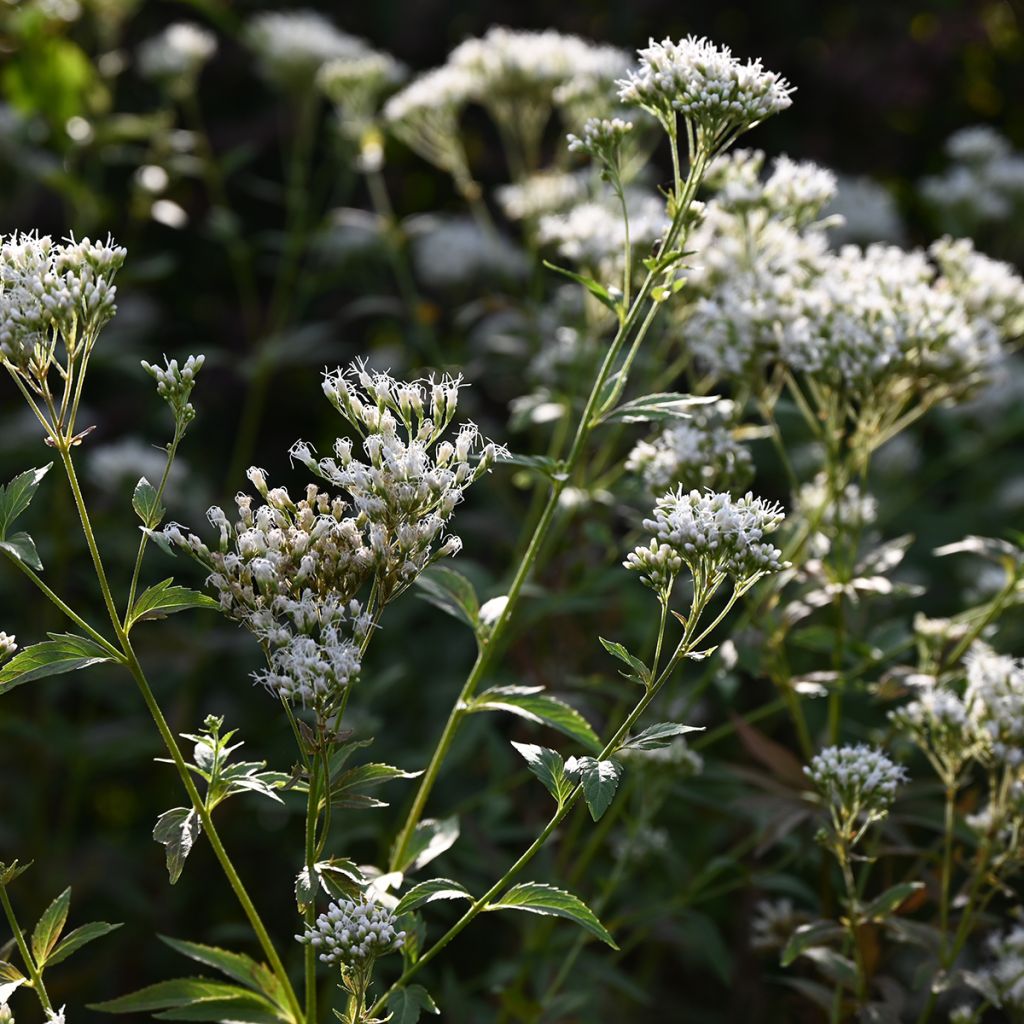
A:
[(50, 925), (890, 900), (427, 892), (654, 737), (452, 593), (147, 504), (63, 652), (406, 1004), (16, 496), (531, 703), (236, 966), (75, 940), (163, 599), (23, 548), (337, 877), (347, 788), (553, 469), (538, 898), (430, 839), (548, 766), (808, 936), (194, 999), (595, 288), (664, 405), (833, 965), (600, 781), (178, 829), (640, 674)]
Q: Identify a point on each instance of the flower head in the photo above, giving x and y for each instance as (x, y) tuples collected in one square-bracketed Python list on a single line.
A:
[(353, 933), (858, 782), (174, 385), (177, 55), (8, 646), (292, 46), (994, 700)]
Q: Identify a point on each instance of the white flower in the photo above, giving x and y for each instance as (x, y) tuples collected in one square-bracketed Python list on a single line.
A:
[(851, 510), (773, 923), (541, 193), (719, 96), (995, 702), (453, 252), (868, 212), (1001, 981), (291, 46), (352, 934), (859, 782), (174, 384), (8, 646), (55, 1016), (713, 534), (176, 56), (977, 144)]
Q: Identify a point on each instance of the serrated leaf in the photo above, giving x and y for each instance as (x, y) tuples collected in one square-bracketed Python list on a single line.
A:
[(163, 599), (49, 927), (807, 936), (430, 839), (655, 737), (890, 900), (548, 766), (76, 939), (240, 1008), (347, 788), (428, 892), (452, 593), (531, 703), (236, 966), (337, 877), (146, 503), (177, 829), (63, 652), (16, 496), (595, 288), (22, 547), (538, 898), (407, 1004), (202, 995), (656, 408), (600, 780), (641, 674)]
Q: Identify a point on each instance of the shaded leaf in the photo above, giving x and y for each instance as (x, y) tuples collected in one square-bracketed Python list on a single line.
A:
[(16, 496), (63, 652), (76, 939), (407, 1004), (641, 674), (595, 288), (147, 504), (776, 758), (548, 766), (23, 548), (427, 892), (655, 408), (889, 901), (538, 898), (452, 593), (531, 703), (833, 965), (807, 936), (347, 789), (195, 999)]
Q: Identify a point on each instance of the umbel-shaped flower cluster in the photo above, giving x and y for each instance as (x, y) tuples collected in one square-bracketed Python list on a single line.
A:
[(859, 784), (937, 722), (352, 934), (714, 535), (718, 96), (49, 293), (293, 572), (994, 699)]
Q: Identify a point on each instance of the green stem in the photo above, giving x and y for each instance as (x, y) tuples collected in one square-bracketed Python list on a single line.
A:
[(30, 965), (947, 861), (526, 566), (309, 951)]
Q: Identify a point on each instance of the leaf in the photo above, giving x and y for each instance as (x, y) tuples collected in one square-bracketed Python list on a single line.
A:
[(177, 829), (337, 877), (22, 547), (63, 652), (553, 469), (16, 496), (76, 939), (538, 898), (641, 674), (241, 1007), (890, 901), (427, 892), (594, 287), (655, 737), (195, 999), (406, 1004), (236, 966), (664, 405), (452, 593), (163, 599), (807, 936), (531, 703), (50, 925), (600, 781), (430, 839), (548, 766), (346, 788), (833, 965), (146, 503)]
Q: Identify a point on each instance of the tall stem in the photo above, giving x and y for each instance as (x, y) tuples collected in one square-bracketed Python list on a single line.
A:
[(19, 939)]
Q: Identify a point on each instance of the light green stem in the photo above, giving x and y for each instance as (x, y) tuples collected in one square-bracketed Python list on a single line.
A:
[(30, 964)]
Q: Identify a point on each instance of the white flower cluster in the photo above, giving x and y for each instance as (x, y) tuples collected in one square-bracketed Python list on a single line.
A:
[(454, 252), (859, 782), (849, 511), (49, 289), (995, 702), (125, 460), (866, 211), (174, 384), (177, 55), (601, 139), (714, 535), (718, 95), (937, 722), (1001, 981), (8, 646), (292, 46), (541, 193), (698, 452), (983, 187), (352, 934), (593, 234)]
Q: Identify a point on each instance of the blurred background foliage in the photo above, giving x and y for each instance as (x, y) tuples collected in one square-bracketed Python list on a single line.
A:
[(880, 88)]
